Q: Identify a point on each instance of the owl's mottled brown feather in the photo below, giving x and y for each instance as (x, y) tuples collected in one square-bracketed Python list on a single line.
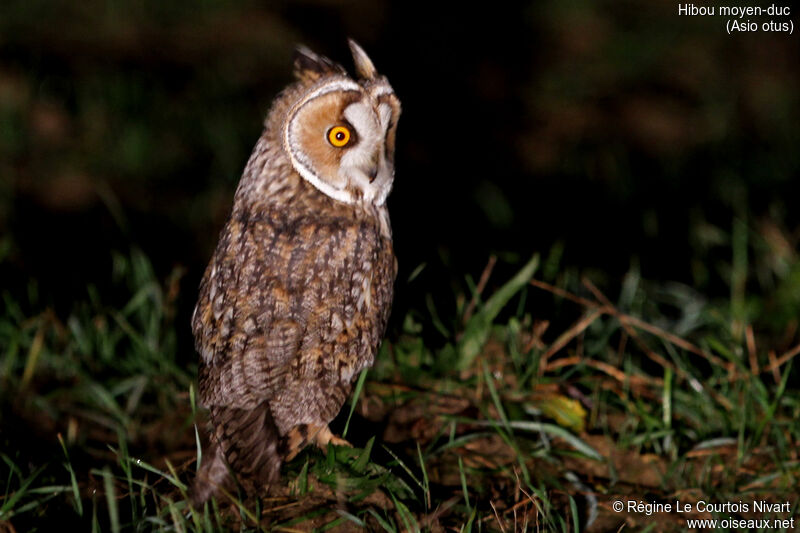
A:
[(291, 309)]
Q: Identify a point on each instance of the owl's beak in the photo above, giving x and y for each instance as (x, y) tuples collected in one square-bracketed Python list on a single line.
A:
[(372, 173)]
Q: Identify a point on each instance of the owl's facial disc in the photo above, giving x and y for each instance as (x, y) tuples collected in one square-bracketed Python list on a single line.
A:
[(337, 138)]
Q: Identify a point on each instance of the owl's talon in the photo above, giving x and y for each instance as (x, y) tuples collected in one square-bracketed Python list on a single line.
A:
[(324, 436)]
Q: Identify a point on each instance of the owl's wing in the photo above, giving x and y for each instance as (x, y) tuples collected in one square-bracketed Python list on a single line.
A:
[(275, 295)]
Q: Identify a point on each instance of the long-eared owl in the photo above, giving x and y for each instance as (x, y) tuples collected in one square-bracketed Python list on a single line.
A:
[(295, 300)]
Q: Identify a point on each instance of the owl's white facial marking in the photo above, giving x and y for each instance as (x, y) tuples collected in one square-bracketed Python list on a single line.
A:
[(336, 85), (363, 165), (385, 114), (380, 89)]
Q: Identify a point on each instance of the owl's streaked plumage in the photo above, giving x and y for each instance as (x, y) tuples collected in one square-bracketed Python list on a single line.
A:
[(295, 300)]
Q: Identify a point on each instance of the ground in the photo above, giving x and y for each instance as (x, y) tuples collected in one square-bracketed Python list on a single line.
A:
[(500, 424)]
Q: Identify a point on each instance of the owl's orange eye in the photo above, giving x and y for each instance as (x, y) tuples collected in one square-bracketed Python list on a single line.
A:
[(339, 136)]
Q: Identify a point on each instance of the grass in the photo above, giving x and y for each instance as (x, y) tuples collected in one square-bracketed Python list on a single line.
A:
[(544, 402)]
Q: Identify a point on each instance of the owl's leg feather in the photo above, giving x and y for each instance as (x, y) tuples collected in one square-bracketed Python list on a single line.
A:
[(295, 441)]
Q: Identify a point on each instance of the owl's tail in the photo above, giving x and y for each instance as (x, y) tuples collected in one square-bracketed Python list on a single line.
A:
[(245, 441)]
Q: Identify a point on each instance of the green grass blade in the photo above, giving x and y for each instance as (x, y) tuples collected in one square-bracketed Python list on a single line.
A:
[(76, 495), (476, 331), (551, 429), (463, 477), (356, 394), (111, 499)]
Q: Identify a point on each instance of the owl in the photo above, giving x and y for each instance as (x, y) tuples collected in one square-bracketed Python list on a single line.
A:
[(295, 300)]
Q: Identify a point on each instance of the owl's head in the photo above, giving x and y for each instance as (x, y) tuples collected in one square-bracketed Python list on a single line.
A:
[(340, 132)]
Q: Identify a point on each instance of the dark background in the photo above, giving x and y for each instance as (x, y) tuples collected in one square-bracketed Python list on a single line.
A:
[(617, 130)]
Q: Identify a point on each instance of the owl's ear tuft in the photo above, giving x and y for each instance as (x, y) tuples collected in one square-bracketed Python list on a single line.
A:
[(364, 67), (309, 67)]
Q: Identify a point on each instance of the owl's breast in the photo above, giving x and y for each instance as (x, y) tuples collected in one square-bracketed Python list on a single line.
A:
[(353, 316), (291, 301)]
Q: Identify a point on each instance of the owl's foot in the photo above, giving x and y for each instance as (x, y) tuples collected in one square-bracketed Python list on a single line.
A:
[(324, 436), (304, 434)]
